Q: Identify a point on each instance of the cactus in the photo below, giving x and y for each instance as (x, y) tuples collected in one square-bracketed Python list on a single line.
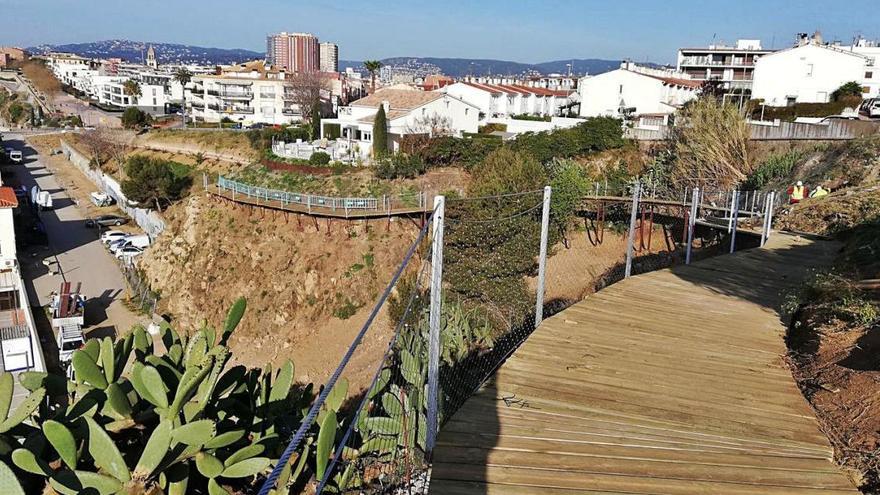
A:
[(62, 441), (326, 437), (143, 428), (9, 481)]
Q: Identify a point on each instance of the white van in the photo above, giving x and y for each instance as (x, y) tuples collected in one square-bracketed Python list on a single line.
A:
[(873, 109), (15, 156)]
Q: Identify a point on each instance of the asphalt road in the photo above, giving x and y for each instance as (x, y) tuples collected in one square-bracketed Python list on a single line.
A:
[(80, 255)]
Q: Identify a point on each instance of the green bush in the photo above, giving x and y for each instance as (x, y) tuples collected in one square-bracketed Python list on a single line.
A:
[(490, 128), (399, 165), (533, 118), (851, 89), (155, 182), (16, 112), (133, 118), (775, 167), (319, 159)]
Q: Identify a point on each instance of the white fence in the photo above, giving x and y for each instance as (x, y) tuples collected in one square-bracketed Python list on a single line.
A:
[(338, 151), (149, 221), (833, 130)]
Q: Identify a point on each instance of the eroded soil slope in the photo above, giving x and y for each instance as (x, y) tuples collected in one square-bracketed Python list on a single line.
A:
[(308, 292)]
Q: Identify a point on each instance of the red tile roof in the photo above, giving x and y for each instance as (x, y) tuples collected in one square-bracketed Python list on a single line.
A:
[(7, 198), (673, 81)]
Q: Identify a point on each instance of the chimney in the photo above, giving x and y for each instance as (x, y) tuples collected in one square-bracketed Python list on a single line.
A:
[(387, 105)]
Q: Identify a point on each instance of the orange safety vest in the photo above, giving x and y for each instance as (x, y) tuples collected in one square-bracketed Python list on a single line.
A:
[(797, 192)]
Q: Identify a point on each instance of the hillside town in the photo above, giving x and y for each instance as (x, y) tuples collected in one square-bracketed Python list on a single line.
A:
[(227, 271)]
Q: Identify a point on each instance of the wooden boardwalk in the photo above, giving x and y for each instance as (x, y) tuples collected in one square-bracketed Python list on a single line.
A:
[(672, 382)]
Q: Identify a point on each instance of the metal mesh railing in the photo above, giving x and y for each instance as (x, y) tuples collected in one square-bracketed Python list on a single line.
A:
[(281, 198)]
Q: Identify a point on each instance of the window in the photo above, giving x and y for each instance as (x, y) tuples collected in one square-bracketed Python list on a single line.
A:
[(466, 111), (809, 70), (869, 75), (367, 136), (866, 89), (8, 300), (620, 90)]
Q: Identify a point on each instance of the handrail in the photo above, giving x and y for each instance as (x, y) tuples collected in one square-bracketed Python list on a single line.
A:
[(385, 203)]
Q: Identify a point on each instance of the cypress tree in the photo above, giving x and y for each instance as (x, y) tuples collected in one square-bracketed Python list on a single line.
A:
[(380, 133)]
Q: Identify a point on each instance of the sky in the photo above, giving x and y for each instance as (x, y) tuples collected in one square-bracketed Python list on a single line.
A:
[(529, 31)]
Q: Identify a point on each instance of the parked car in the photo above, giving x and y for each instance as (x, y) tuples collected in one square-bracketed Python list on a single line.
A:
[(138, 241), (106, 221), (128, 253), (112, 235), (16, 156), (101, 199)]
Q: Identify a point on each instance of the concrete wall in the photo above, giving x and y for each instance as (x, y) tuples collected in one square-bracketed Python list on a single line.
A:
[(835, 130), (7, 235)]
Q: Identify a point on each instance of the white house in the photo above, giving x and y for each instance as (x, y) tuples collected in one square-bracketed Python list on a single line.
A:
[(871, 80), (808, 73), (633, 90), (506, 100), (408, 112)]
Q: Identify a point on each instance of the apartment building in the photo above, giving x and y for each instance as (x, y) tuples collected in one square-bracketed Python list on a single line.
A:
[(20, 348), (502, 100), (248, 93), (73, 70), (732, 66), (871, 80), (408, 111), (293, 52), (329, 57), (808, 73), (633, 91)]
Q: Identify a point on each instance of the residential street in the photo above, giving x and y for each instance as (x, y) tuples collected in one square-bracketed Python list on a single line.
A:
[(79, 253)]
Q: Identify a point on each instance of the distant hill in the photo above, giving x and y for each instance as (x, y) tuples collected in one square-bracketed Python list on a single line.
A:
[(458, 67), (167, 53)]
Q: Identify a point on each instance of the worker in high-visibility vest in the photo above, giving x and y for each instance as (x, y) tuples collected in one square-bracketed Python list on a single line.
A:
[(819, 192), (797, 193)]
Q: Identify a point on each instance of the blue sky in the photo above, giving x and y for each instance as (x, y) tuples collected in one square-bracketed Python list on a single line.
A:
[(520, 30)]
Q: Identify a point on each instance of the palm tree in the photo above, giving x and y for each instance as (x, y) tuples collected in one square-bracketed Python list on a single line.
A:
[(373, 67), (183, 76), (132, 89)]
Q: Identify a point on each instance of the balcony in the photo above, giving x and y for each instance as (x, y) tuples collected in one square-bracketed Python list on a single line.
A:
[(290, 111), (236, 95), (708, 62)]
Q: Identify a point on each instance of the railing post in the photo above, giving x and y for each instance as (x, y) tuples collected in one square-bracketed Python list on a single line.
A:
[(542, 258), (734, 217), (730, 211), (768, 217), (434, 324), (632, 229), (692, 222)]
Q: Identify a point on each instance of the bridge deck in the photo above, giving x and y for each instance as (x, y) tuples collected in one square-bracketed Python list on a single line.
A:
[(671, 382)]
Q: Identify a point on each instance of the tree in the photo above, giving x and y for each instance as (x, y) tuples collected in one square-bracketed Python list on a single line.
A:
[(711, 144), (153, 181), (133, 118), (372, 67), (132, 89), (183, 76), (305, 90), (380, 133), (851, 89)]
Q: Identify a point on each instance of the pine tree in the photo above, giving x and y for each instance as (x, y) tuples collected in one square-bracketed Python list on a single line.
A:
[(380, 133)]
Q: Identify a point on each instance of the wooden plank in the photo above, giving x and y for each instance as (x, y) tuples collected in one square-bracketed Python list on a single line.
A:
[(671, 382)]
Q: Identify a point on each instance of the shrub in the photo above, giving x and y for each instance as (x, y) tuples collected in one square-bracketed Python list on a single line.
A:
[(490, 128), (133, 118), (399, 165), (319, 159), (154, 182), (775, 167), (533, 118), (851, 89), (380, 133), (16, 112)]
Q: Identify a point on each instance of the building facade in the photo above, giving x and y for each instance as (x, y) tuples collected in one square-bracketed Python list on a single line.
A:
[(10, 54), (634, 91), (871, 79), (293, 52), (247, 94), (731, 66), (329, 57), (808, 73), (500, 100)]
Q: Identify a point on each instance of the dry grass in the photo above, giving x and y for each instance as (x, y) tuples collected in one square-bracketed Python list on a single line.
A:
[(41, 77)]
